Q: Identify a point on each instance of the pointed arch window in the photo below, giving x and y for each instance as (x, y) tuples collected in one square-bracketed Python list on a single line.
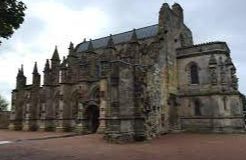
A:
[(194, 74)]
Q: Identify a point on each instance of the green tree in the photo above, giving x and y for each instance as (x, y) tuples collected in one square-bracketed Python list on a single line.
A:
[(11, 17), (3, 104)]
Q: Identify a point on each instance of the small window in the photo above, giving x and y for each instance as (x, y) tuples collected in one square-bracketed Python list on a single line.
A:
[(197, 108), (194, 77)]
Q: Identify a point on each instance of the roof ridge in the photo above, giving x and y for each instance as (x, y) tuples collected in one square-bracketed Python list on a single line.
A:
[(114, 35)]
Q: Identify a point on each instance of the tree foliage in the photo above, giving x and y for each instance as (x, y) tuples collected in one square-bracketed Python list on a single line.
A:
[(3, 104), (11, 17)]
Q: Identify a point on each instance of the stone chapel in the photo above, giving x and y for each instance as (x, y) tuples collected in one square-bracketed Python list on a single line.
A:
[(134, 86)]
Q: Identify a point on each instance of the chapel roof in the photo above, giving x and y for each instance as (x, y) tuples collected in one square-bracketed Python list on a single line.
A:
[(142, 33)]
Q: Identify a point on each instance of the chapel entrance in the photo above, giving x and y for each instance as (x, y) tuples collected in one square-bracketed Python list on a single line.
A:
[(92, 116)]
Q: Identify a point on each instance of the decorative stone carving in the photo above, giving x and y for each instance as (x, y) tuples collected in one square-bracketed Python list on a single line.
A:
[(222, 71), (154, 49), (213, 70), (213, 76), (234, 78), (105, 68)]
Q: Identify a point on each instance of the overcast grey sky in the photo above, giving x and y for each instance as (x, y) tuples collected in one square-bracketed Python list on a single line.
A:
[(57, 22)]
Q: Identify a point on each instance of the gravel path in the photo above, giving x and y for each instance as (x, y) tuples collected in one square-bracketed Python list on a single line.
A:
[(93, 147)]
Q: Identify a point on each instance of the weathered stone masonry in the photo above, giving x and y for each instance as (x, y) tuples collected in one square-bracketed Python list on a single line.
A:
[(134, 86)]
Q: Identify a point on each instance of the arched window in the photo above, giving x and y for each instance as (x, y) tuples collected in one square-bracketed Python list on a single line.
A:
[(197, 108), (194, 77)]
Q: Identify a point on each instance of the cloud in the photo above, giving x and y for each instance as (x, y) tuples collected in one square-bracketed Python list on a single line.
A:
[(47, 23)]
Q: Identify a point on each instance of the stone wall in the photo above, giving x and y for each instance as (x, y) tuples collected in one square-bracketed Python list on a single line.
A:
[(213, 103), (154, 118), (202, 62), (214, 124), (217, 112), (4, 119)]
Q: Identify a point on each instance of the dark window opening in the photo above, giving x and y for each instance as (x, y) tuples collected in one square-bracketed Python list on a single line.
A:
[(224, 101), (92, 116), (194, 74), (197, 108)]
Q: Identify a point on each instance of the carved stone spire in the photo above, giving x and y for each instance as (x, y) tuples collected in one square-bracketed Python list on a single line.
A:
[(71, 48), (22, 69), (35, 76), (19, 72), (111, 42), (55, 62), (35, 69), (134, 38), (55, 66), (164, 7), (178, 11), (47, 65), (20, 79), (90, 46), (46, 71), (63, 64), (55, 56), (64, 59), (164, 15)]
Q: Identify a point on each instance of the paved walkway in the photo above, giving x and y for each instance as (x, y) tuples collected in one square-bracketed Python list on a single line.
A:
[(93, 147), (7, 135)]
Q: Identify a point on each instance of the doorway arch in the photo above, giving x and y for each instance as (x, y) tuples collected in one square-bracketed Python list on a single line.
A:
[(92, 118)]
